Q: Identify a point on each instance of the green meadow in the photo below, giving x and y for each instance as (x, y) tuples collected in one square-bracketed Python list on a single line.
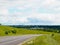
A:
[(11, 31), (45, 39)]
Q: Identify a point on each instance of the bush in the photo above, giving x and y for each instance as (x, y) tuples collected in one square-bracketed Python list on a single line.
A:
[(6, 32), (59, 31), (52, 35), (14, 31)]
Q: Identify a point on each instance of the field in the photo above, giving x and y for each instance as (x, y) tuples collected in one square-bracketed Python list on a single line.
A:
[(10, 31), (45, 39)]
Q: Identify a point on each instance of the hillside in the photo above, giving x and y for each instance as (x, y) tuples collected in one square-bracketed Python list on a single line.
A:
[(6, 30), (45, 40), (41, 40)]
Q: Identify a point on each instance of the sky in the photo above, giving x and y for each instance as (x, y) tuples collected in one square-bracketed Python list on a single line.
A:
[(30, 12)]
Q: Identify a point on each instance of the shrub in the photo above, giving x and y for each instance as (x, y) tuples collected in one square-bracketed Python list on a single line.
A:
[(14, 31), (6, 32)]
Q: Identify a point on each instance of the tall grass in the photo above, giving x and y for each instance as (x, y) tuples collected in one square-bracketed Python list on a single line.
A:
[(44, 40)]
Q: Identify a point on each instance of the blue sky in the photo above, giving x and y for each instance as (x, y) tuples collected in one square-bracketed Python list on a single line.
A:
[(30, 12)]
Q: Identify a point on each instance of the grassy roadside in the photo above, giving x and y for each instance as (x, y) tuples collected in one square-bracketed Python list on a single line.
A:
[(45, 40), (41, 40)]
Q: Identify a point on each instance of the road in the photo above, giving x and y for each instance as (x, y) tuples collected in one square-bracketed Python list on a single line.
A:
[(15, 40)]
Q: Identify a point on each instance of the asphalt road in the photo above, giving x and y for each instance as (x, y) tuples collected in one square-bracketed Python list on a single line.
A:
[(14, 40)]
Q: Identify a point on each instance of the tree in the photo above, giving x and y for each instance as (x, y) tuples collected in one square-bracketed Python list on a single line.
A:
[(0, 24)]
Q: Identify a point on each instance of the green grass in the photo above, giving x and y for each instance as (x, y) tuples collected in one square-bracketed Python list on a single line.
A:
[(19, 31), (57, 37), (44, 40)]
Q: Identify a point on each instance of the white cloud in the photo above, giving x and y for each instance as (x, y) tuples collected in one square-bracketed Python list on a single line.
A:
[(55, 18), (22, 16), (3, 11), (13, 20)]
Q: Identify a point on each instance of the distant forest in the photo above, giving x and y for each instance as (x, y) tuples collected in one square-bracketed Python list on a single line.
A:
[(38, 26)]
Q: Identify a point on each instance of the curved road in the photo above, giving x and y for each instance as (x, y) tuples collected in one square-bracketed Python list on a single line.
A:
[(15, 40)]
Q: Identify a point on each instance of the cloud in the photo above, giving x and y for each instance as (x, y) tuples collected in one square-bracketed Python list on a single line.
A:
[(33, 18), (54, 18), (30, 12), (3, 11), (13, 20)]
